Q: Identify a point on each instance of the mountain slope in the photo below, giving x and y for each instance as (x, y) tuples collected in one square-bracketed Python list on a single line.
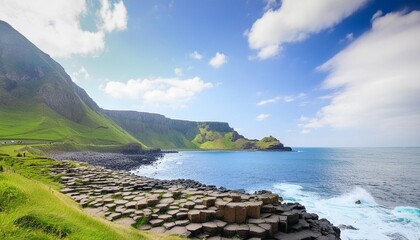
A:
[(38, 99), (157, 131)]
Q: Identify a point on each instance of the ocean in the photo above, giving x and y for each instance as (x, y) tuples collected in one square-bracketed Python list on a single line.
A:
[(327, 181)]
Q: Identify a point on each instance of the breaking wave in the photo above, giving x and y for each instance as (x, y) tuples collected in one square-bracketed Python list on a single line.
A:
[(372, 220)]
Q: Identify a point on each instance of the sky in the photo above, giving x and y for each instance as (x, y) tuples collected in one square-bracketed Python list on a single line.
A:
[(320, 73)]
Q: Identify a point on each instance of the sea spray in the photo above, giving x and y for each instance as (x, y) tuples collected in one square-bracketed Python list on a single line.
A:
[(325, 180), (372, 220)]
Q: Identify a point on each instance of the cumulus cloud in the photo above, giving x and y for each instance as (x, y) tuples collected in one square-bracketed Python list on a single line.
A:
[(196, 55), (375, 81), (54, 25), (294, 21), (286, 99), (262, 117), (171, 92), (218, 60), (82, 72), (113, 17)]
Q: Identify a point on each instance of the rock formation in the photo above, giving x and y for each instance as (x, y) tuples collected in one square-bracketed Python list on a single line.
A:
[(188, 208)]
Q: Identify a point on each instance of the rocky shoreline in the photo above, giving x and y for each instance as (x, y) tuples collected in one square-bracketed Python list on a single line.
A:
[(188, 208), (117, 161)]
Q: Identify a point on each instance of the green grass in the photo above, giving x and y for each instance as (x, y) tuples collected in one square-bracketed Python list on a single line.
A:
[(38, 122), (267, 143), (213, 140), (32, 208), (169, 139)]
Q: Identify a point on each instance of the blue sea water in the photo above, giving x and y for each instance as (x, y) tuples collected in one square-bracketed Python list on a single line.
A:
[(327, 181)]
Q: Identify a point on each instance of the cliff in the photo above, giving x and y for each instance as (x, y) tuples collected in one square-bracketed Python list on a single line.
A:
[(158, 131)]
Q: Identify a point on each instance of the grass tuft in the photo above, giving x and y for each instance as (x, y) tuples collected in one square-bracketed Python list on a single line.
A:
[(34, 223), (10, 197), (141, 221)]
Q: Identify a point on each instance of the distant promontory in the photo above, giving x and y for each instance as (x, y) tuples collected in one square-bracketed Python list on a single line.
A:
[(158, 131)]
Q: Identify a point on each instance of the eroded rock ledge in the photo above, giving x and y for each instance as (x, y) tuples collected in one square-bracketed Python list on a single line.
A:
[(188, 208)]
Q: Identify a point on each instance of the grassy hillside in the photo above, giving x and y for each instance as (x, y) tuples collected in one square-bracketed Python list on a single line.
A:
[(158, 131), (210, 139), (32, 208), (40, 102), (38, 99), (39, 122)]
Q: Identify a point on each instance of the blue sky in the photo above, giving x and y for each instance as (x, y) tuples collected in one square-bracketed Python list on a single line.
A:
[(311, 73)]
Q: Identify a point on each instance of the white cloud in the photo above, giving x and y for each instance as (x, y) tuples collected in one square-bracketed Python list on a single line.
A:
[(178, 72), (326, 97), (218, 60), (171, 92), (294, 21), (293, 98), (115, 17), (375, 81), (196, 55), (81, 72), (267, 101), (54, 25), (262, 117), (286, 99), (269, 4), (378, 13), (348, 38), (303, 119)]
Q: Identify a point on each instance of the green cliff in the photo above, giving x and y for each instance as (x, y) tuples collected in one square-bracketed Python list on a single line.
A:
[(39, 101), (158, 131)]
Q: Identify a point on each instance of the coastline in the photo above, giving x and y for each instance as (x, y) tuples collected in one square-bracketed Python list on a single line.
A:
[(188, 208), (129, 160), (115, 161)]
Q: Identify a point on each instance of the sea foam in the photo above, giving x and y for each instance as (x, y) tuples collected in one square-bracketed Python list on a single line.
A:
[(372, 220)]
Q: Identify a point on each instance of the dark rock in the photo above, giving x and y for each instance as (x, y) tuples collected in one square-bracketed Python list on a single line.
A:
[(157, 230), (156, 222), (256, 231), (310, 216), (115, 161), (145, 227), (290, 217), (261, 192), (181, 216), (194, 228), (181, 231), (194, 216), (302, 235), (169, 225), (346, 227), (268, 229), (230, 230), (243, 231), (211, 228)]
